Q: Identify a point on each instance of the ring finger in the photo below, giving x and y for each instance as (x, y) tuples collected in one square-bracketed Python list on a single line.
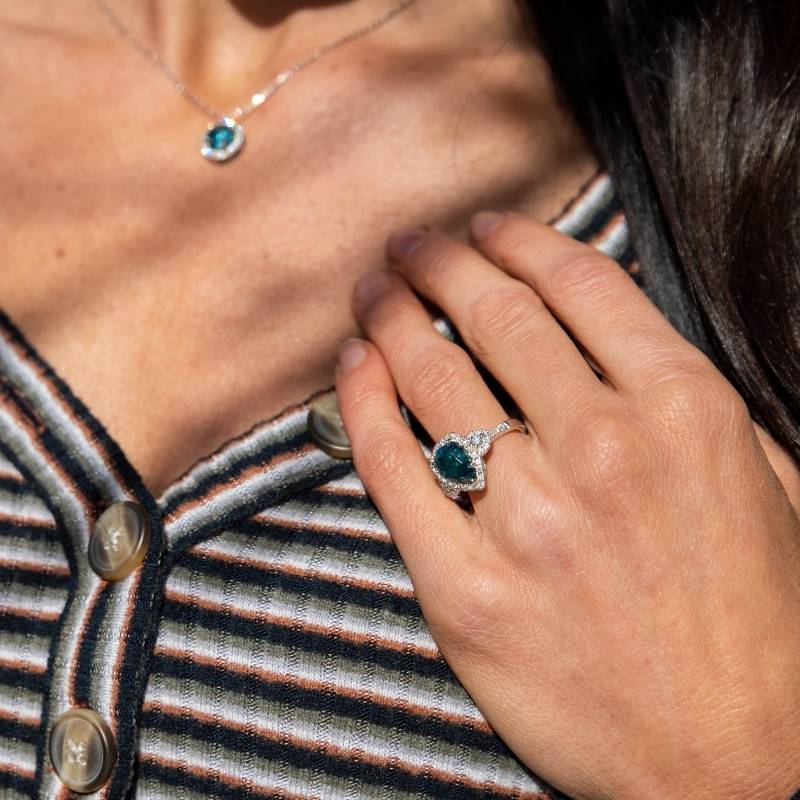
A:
[(437, 379)]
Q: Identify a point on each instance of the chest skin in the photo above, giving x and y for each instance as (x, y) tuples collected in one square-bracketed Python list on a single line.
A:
[(182, 300)]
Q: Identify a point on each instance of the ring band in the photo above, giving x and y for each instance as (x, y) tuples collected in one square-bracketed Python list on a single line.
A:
[(457, 461)]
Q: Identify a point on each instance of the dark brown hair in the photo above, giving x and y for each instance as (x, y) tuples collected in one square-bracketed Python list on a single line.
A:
[(694, 108)]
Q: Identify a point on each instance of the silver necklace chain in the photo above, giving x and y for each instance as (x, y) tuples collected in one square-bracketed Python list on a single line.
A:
[(261, 96)]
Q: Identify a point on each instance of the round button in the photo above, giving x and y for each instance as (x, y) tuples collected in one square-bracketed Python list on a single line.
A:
[(326, 428), (119, 540), (82, 750)]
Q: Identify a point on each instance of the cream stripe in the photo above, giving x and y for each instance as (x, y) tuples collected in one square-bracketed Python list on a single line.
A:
[(599, 195), (26, 507), (275, 430), (305, 514), (20, 705), (317, 726), (219, 762), (34, 602), (17, 757), (9, 470), (347, 483), (615, 240), (32, 554), (314, 562), (283, 609), (224, 501), (24, 651), (435, 694)]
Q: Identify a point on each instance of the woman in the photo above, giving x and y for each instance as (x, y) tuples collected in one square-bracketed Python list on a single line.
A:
[(239, 623)]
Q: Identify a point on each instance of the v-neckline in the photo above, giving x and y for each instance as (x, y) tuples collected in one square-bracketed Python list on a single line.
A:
[(593, 208), (262, 465)]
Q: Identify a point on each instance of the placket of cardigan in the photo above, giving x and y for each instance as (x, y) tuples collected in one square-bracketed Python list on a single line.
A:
[(265, 466), (99, 656)]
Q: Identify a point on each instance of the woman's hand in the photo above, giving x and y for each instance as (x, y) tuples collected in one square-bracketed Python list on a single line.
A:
[(624, 603)]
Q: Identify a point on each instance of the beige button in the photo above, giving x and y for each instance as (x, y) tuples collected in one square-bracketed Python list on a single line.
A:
[(326, 428), (119, 540), (82, 750)]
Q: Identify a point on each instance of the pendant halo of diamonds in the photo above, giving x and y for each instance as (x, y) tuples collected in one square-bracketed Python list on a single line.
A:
[(222, 140), (457, 461)]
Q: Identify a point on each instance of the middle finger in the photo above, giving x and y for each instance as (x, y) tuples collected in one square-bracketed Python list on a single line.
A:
[(506, 325)]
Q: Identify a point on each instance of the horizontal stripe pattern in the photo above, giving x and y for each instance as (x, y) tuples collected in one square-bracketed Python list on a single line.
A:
[(34, 579), (270, 646), (284, 630)]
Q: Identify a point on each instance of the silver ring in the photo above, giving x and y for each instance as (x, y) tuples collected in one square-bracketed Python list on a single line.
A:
[(457, 461)]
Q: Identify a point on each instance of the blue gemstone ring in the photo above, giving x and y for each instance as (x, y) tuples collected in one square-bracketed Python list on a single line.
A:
[(457, 461)]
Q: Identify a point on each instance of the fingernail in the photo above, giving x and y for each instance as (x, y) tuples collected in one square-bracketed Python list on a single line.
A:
[(483, 223), (402, 244), (371, 284), (351, 353)]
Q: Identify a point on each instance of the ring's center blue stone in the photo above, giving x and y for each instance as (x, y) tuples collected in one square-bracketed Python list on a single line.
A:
[(220, 137), (455, 463)]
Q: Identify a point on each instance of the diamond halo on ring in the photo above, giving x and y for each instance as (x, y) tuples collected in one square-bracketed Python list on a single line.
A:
[(457, 461)]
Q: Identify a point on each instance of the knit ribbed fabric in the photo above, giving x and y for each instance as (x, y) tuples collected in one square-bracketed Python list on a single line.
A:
[(270, 644)]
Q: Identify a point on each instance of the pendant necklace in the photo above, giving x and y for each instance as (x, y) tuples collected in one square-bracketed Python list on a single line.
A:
[(224, 137)]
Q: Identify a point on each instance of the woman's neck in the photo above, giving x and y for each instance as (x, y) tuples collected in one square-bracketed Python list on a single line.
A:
[(226, 49)]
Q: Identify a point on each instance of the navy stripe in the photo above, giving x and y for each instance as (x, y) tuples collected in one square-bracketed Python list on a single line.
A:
[(16, 730), (328, 644), (628, 256), (292, 696), (269, 450), (33, 533), (311, 758), (93, 630), (383, 549), (595, 224), (140, 639), (24, 678), (10, 780), (15, 485), (325, 588), (29, 577), (251, 501), (346, 501), (19, 623), (203, 785)]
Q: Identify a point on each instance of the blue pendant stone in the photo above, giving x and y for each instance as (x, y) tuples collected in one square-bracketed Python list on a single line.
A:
[(455, 463), (220, 137)]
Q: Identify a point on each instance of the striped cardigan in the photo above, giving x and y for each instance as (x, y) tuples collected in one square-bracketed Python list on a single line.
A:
[(269, 645)]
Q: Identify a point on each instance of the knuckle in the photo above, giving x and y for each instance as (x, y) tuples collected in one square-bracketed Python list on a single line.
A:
[(476, 609), (437, 260), (611, 452), (698, 397), (503, 312), (437, 379), (590, 274), (381, 460)]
